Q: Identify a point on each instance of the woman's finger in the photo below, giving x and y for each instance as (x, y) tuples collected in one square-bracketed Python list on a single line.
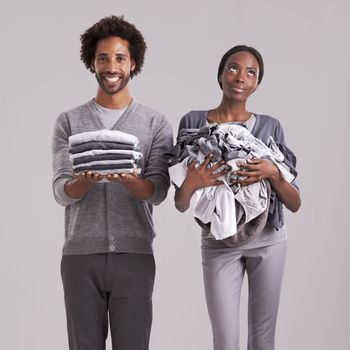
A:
[(247, 166), (247, 173), (208, 158), (216, 166), (191, 165), (216, 183), (218, 174)]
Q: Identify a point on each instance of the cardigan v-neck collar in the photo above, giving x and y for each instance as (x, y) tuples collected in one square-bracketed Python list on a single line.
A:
[(121, 120)]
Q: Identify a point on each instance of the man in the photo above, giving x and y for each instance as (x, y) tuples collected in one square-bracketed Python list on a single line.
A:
[(107, 265)]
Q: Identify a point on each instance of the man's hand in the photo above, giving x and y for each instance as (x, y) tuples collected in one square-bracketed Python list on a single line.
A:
[(77, 187), (142, 189), (88, 177), (122, 178)]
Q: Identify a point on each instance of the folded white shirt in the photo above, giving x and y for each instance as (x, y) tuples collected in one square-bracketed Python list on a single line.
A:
[(103, 135)]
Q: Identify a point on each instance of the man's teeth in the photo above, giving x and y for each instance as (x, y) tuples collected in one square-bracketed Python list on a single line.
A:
[(112, 79)]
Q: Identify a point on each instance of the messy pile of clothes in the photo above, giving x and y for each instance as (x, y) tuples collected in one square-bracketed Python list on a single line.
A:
[(233, 213)]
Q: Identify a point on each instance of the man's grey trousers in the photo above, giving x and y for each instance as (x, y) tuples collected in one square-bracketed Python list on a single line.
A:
[(223, 270), (114, 286)]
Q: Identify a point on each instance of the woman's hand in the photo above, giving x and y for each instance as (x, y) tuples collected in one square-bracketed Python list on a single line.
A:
[(198, 177), (256, 170), (259, 169), (202, 176)]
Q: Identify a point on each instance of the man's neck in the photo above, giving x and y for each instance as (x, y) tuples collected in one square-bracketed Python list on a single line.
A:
[(119, 100)]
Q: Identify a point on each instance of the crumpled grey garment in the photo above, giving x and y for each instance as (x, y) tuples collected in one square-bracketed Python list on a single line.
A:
[(184, 146), (210, 145), (223, 142), (246, 231)]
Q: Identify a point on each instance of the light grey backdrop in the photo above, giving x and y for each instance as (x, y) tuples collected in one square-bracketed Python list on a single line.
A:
[(306, 48)]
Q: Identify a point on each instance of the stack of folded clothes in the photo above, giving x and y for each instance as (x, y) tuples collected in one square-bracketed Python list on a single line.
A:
[(227, 209), (104, 152)]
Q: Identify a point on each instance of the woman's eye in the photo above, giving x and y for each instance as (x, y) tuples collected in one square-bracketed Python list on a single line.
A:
[(252, 73), (233, 69)]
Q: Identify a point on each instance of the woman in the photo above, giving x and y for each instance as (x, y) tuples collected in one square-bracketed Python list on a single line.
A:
[(240, 72)]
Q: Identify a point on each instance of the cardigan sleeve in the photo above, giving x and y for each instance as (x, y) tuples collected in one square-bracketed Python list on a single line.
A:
[(61, 164), (289, 157), (156, 169)]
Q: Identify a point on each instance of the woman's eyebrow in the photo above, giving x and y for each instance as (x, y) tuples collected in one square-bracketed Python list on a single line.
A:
[(229, 63)]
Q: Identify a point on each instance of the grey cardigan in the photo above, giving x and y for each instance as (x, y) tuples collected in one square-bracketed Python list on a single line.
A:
[(109, 218)]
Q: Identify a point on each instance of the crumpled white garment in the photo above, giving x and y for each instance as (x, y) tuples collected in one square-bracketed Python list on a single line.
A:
[(214, 204)]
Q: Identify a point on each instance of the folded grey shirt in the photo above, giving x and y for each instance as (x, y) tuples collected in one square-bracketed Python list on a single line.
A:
[(92, 145)]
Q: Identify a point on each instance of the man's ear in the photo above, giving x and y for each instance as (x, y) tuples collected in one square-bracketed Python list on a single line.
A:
[(133, 65), (92, 65)]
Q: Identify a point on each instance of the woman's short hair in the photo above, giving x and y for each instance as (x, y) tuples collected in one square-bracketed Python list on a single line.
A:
[(240, 48)]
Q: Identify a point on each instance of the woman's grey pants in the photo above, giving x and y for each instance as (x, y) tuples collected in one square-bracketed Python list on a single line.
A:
[(223, 270)]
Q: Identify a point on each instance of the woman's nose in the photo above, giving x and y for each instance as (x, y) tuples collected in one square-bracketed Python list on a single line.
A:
[(239, 77)]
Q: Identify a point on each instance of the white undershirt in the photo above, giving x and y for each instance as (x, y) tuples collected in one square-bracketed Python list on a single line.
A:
[(109, 116)]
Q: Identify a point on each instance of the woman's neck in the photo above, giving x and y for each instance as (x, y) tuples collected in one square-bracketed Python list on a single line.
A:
[(232, 111)]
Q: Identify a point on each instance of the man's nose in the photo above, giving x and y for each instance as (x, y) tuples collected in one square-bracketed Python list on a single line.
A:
[(112, 65)]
